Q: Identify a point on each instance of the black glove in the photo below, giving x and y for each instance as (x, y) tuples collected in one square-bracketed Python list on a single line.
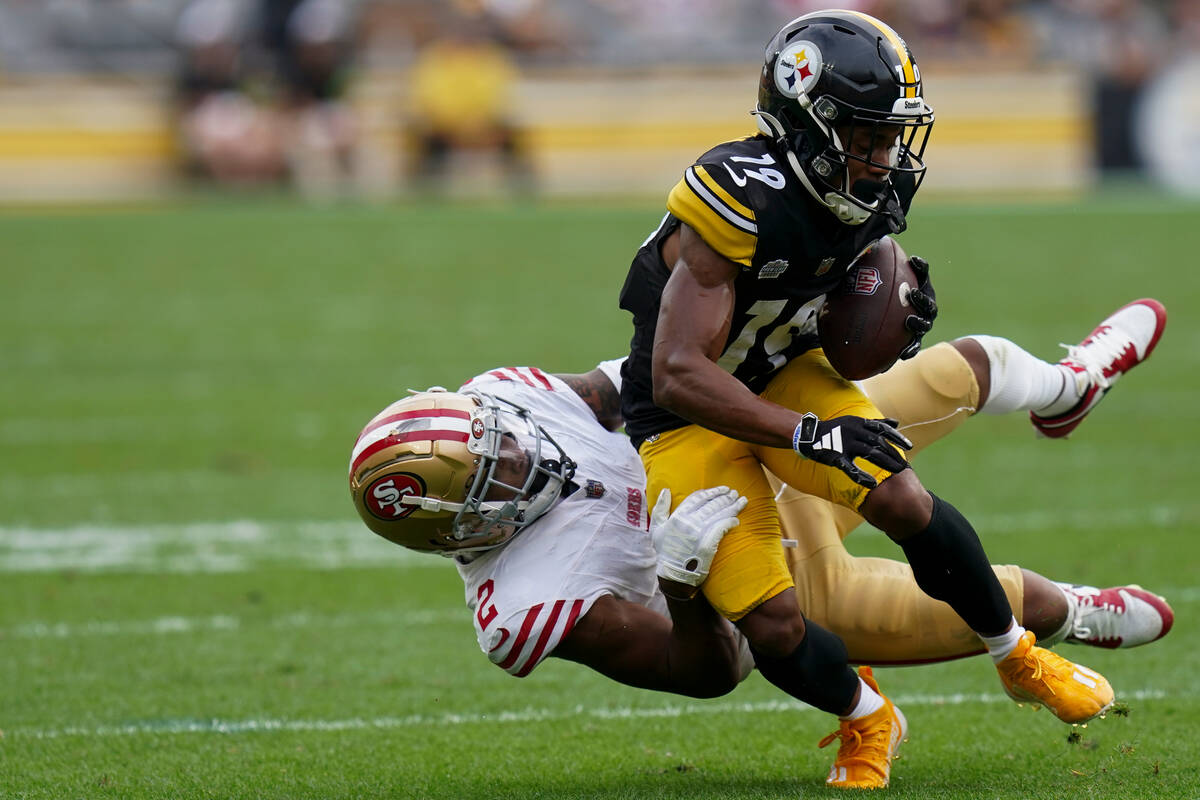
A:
[(837, 442), (924, 304)]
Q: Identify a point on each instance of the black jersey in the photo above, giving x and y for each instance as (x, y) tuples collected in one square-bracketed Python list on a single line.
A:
[(749, 206)]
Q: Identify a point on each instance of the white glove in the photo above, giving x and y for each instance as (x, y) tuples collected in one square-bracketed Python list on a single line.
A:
[(687, 540)]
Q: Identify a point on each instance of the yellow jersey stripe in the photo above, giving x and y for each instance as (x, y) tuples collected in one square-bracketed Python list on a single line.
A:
[(723, 195), (906, 65), (721, 228)]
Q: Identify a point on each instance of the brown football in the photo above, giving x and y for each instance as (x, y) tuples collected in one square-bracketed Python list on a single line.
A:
[(862, 322)]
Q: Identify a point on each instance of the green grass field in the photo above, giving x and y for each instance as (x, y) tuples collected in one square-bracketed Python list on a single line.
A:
[(191, 608)]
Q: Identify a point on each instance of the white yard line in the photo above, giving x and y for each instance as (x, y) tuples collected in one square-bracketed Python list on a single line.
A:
[(245, 545), (160, 626), (171, 625), (238, 546), (271, 725)]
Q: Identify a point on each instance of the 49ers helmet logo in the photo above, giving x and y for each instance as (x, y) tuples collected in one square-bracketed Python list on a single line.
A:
[(382, 497)]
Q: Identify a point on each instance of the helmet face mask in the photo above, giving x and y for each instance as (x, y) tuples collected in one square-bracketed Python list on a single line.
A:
[(514, 482), (454, 473), (831, 80)]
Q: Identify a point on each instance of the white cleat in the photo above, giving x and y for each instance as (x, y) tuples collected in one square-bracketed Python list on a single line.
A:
[(1118, 344), (1122, 616)]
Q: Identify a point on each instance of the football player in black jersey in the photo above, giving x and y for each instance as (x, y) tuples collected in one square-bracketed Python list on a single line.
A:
[(725, 374)]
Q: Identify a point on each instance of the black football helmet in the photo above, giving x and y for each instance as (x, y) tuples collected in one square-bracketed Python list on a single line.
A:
[(828, 76)]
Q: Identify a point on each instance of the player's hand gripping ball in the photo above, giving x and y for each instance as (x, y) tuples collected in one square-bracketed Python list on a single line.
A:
[(879, 313)]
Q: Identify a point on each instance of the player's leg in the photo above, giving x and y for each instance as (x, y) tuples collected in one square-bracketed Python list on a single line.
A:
[(930, 396), (943, 549), (1059, 396), (934, 393), (749, 582), (945, 544), (748, 568), (1116, 617), (947, 559), (875, 606)]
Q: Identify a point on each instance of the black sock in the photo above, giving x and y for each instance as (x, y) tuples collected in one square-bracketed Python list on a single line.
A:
[(950, 565), (815, 672)]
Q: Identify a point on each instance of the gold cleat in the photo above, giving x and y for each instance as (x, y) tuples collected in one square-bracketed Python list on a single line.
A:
[(864, 758), (1036, 675)]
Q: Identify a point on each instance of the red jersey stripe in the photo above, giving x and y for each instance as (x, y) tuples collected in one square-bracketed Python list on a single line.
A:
[(541, 376), (576, 607), (503, 638), (522, 636), (521, 375), (547, 630)]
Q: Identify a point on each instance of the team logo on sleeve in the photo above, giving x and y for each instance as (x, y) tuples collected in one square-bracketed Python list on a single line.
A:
[(773, 269), (797, 68), (382, 497)]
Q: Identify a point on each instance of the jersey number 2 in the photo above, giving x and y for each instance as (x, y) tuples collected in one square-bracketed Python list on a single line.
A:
[(486, 611)]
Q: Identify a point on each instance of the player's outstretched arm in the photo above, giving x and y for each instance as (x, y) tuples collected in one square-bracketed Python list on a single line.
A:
[(694, 653), (693, 324)]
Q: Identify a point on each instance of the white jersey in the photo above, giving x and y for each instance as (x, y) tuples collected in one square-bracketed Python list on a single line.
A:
[(527, 595)]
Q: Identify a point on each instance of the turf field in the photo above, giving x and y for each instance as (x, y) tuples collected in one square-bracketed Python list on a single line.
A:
[(191, 609)]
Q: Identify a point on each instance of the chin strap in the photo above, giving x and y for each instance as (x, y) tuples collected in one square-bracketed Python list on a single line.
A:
[(843, 209)]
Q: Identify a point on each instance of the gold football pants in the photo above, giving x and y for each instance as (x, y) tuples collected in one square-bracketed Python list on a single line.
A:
[(874, 604), (749, 567)]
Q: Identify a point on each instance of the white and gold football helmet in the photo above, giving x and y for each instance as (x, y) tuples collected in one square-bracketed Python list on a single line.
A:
[(454, 473)]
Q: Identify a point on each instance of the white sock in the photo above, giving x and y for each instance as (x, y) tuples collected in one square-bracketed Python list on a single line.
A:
[(1000, 646), (1021, 382), (869, 701)]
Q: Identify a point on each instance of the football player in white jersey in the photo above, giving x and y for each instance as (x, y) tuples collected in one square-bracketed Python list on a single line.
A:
[(519, 451)]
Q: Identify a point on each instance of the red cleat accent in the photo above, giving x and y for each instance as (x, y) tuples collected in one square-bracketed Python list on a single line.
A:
[(1123, 340)]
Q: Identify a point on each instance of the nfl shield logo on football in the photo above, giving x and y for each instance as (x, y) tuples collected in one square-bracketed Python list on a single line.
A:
[(864, 280)]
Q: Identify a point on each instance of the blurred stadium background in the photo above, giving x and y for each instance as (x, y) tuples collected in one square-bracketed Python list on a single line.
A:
[(134, 99), (232, 230)]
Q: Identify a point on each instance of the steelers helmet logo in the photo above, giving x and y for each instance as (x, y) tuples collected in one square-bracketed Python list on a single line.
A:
[(797, 68)]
